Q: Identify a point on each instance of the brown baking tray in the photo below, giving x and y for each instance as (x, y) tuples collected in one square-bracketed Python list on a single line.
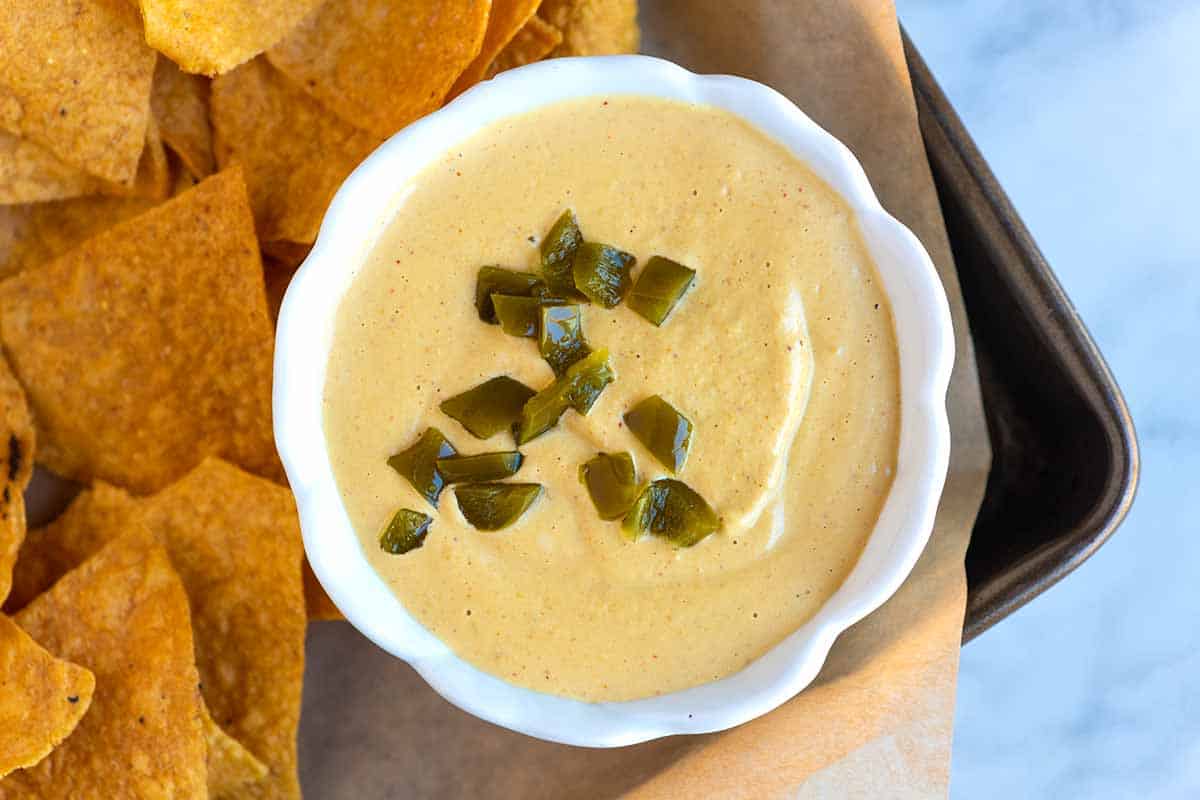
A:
[(1065, 456)]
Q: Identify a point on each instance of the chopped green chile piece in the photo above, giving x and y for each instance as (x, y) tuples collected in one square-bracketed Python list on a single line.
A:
[(611, 482), (672, 510), (406, 531), (578, 389), (418, 464), (558, 254), (602, 273), (490, 407), (518, 316), (560, 338), (521, 316), (665, 432), (498, 280), (480, 467), (659, 287), (492, 506)]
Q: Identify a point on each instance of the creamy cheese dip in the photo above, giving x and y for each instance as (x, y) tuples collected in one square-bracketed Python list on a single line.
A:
[(782, 354)]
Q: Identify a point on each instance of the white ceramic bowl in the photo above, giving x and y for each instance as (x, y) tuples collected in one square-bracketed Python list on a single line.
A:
[(361, 210)]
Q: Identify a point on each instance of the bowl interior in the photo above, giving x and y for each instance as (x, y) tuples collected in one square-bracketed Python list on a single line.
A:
[(360, 212)]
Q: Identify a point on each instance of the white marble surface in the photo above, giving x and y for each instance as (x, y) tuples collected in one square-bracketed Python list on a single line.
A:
[(1089, 112)]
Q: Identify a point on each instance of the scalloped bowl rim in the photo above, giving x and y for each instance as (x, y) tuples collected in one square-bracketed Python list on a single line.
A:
[(361, 209)]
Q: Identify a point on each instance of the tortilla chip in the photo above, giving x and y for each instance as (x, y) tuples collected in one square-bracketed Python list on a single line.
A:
[(593, 27), (318, 604), (148, 347), (95, 517), (16, 467), (179, 102), (214, 36), (532, 43), (235, 541), (380, 64), (123, 615), (505, 21), (42, 699), (295, 153), (75, 78), (35, 234), (29, 173), (230, 765)]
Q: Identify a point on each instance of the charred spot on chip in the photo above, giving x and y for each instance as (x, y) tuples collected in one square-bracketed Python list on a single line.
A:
[(16, 456)]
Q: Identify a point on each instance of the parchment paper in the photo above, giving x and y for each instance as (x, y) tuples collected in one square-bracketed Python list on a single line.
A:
[(878, 720)]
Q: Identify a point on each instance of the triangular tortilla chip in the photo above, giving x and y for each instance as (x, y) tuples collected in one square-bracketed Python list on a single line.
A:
[(506, 19), (42, 699), (149, 346), (594, 27), (75, 78), (235, 541), (95, 517), (214, 36), (29, 173), (294, 152), (230, 765), (532, 43), (35, 234), (16, 466), (123, 615), (179, 102), (380, 64)]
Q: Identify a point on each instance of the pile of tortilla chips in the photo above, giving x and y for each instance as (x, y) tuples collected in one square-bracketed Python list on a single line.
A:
[(164, 168)]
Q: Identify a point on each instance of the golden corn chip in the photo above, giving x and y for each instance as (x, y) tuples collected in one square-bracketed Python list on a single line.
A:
[(506, 19), (95, 517), (536, 40), (294, 153), (380, 64), (42, 699), (29, 173), (235, 540), (179, 103), (230, 765), (35, 234), (123, 615), (593, 27), (16, 467), (317, 603), (214, 36), (75, 79), (148, 347)]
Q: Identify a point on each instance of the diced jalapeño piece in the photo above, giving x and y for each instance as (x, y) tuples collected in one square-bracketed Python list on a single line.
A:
[(602, 273), (671, 509), (558, 253), (665, 432), (492, 506), (521, 316), (481, 467), (418, 464), (578, 389), (659, 286), (611, 482), (498, 280), (490, 407), (560, 338), (406, 531)]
